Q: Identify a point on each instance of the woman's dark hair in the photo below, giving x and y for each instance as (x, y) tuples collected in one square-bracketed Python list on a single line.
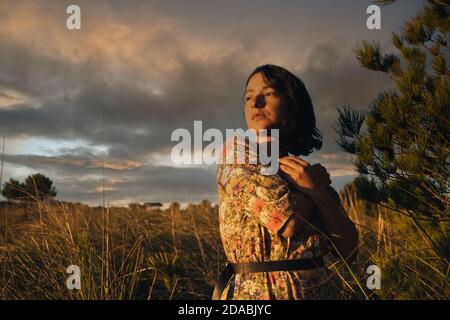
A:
[(299, 135)]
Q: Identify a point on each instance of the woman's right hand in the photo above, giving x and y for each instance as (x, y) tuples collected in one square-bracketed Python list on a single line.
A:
[(309, 179)]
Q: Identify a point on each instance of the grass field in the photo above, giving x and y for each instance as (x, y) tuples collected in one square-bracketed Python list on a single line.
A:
[(176, 253)]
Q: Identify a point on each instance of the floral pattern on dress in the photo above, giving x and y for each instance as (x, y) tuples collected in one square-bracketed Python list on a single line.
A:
[(253, 208)]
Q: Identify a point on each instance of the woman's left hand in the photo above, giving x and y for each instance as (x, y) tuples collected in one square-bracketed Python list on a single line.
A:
[(309, 179)]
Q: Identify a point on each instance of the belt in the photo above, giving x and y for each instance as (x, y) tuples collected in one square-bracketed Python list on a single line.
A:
[(265, 266)]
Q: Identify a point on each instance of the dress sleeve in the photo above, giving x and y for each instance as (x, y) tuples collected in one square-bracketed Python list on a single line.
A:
[(265, 197)]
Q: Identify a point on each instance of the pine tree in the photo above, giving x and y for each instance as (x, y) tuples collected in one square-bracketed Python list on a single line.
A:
[(39, 186), (14, 190), (401, 141)]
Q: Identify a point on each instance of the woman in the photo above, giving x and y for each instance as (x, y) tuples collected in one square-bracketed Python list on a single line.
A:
[(275, 229)]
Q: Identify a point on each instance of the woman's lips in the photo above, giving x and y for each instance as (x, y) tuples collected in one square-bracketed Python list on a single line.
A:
[(256, 116)]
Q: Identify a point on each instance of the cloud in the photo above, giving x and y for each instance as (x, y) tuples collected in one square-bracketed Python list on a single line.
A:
[(126, 81), (71, 161), (334, 78)]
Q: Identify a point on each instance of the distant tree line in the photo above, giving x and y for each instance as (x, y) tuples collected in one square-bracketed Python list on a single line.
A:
[(35, 187)]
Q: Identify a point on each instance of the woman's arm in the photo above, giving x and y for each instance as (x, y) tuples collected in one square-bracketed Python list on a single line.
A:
[(314, 181), (303, 208), (338, 226)]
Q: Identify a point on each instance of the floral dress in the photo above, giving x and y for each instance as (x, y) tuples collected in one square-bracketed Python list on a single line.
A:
[(253, 208)]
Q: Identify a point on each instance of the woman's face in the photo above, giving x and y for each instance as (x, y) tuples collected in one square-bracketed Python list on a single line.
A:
[(265, 107)]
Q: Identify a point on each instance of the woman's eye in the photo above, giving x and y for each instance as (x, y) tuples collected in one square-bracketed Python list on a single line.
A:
[(247, 98), (270, 94)]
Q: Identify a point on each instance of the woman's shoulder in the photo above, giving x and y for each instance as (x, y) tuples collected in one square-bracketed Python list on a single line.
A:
[(239, 158), (238, 150), (234, 159)]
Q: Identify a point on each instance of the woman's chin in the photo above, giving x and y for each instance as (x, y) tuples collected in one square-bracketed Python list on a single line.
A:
[(260, 124)]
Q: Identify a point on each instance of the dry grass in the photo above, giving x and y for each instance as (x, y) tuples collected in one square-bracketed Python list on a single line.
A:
[(177, 254), (410, 269), (122, 254)]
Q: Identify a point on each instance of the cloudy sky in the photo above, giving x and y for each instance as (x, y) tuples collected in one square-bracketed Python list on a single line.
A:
[(104, 100)]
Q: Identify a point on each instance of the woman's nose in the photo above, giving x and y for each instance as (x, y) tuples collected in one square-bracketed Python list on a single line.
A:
[(259, 102)]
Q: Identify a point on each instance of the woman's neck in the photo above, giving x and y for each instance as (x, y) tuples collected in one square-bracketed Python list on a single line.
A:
[(267, 139)]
